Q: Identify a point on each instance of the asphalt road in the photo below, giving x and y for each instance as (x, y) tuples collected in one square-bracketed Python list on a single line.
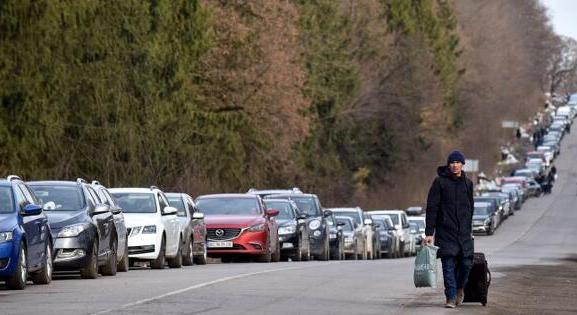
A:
[(523, 254)]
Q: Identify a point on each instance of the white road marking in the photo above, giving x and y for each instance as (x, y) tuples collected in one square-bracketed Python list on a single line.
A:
[(202, 285)]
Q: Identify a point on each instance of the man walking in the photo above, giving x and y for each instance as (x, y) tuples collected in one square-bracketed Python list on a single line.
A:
[(449, 223)]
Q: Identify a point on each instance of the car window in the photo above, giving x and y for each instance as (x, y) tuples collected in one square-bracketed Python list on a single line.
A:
[(60, 197), (94, 199), (136, 202), (162, 202), (284, 208), (404, 220), (178, 203), (191, 206), (351, 214), (347, 226), (229, 206), (29, 196), (6, 200)]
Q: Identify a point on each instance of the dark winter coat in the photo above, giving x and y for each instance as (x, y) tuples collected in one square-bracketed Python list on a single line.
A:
[(450, 214)]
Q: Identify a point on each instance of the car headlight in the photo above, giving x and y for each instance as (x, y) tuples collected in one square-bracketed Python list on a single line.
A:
[(314, 224), (149, 229), (257, 227), (135, 230), (6, 236), (289, 229), (73, 230)]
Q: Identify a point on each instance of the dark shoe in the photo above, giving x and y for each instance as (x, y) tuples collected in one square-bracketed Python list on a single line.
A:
[(450, 304), (460, 296)]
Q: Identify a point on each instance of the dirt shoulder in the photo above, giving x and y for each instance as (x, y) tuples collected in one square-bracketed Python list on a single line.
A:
[(537, 289)]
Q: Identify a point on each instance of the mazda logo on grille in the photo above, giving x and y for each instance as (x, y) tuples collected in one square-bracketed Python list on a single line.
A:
[(219, 232)]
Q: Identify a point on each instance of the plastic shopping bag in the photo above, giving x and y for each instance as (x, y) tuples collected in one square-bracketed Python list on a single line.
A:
[(426, 267)]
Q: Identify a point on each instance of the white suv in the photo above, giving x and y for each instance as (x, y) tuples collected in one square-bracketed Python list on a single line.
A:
[(154, 232)]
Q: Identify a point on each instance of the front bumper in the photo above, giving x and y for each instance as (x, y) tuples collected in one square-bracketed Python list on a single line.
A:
[(72, 253), (9, 252), (318, 243), (144, 246), (288, 242), (480, 228), (246, 243)]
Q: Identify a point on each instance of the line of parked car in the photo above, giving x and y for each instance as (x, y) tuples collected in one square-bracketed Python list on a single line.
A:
[(499, 199), (84, 227)]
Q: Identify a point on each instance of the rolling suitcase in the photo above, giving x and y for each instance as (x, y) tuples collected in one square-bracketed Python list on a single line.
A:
[(479, 280)]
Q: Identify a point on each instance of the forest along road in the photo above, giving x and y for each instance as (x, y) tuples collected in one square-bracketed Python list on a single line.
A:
[(532, 256)]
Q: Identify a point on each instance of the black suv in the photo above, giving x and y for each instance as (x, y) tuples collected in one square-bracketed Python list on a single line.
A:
[(83, 230), (316, 220)]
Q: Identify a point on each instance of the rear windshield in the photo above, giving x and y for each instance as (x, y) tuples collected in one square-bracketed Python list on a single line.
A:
[(6, 200), (351, 214), (305, 204), (136, 202), (284, 208), (229, 206), (60, 197)]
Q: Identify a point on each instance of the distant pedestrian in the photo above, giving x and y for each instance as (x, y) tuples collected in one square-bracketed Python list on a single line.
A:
[(448, 224)]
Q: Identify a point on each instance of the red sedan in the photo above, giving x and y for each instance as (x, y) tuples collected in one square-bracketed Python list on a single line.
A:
[(239, 224)]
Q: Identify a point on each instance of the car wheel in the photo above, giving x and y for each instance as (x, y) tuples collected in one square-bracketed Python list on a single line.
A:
[(158, 263), (91, 269), (325, 255), (490, 231), (123, 264), (187, 256), (44, 276), (276, 255), (307, 255), (176, 262), (201, 259), (298, 256), (266, 257), (110, 268), (17, 281)]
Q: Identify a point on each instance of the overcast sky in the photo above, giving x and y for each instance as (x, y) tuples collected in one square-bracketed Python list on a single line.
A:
[(563, 14)]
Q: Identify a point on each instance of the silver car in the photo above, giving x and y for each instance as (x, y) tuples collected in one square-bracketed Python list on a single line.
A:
[(352, 236)]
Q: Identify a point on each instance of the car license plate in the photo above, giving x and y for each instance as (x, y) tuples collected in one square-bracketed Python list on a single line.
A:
[(219, 244)]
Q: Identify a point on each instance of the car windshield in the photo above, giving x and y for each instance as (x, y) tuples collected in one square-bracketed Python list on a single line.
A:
[(481, 210), (351, 214), (229, 206), (347, 226), (60, 197), (305, 204), (177, 202), (284, 208), (6, 200), (419, 223), (136, 202)]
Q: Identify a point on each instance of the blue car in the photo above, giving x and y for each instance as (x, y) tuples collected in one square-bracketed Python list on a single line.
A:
[(25, 240)]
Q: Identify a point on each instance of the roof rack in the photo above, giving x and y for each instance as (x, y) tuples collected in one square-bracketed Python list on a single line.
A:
[(95, 182), (153, 187), (81, 180), (12, 177), (297, 190), (251, 190)]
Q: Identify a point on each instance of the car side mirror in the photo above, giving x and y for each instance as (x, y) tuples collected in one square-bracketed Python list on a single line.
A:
[(101, 208), (302, 217), (339, 228), (271, 212), (169, 210), (340, 223), (301, 221), (198, 216), (116, 210), (327, 213), (32, 209), (368, 222), (377, 225)]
